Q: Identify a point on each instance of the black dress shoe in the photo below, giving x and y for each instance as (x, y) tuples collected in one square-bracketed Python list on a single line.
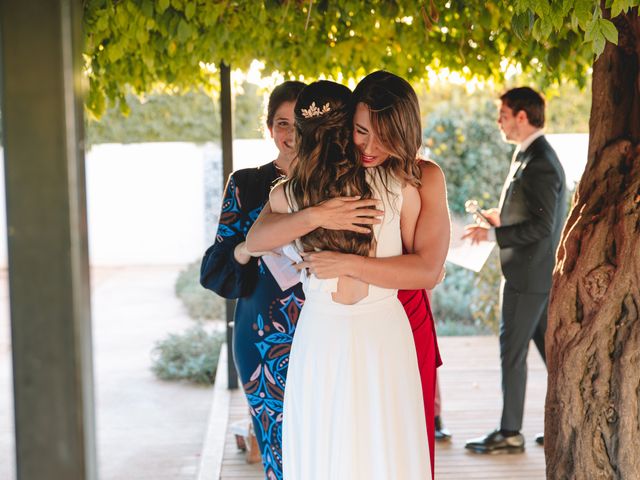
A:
[(496, 442), (540, 439), (442, 434)]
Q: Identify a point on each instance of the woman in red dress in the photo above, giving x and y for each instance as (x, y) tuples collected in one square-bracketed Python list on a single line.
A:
[(388, 134)]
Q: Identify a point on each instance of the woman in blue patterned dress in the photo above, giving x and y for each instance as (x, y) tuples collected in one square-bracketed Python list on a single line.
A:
[(265, 316)]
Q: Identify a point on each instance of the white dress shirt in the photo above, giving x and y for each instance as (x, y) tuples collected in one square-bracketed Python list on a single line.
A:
[(522, 147)]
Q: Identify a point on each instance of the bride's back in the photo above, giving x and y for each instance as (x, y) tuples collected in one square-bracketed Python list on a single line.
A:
[(387, 242), (387, 239)]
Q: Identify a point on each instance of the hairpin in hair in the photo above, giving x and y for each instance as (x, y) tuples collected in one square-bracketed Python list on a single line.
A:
[(314, 111)]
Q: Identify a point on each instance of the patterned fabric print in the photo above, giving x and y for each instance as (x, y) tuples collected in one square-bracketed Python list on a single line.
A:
[(265, 316), (232, 218), (231, 212), (265, 389)]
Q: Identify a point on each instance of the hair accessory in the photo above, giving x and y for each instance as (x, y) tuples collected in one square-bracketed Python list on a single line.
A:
[(314, 111)]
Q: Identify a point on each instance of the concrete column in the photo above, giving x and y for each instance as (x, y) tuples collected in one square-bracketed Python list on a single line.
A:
[(42, 116)]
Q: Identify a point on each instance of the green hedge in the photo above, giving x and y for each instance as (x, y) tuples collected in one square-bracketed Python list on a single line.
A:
[(191, 356), (201, 304), (471, 152), (475, 159), (192, 117)]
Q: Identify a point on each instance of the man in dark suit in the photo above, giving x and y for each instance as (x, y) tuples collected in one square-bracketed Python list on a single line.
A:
[(527, 226)]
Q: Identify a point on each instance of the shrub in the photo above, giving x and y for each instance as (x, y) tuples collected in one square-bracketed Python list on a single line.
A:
[(189, 117), (201, 304), (485, 305), (450, 298), (475, 160), (451, 302), (470, 150), (192, 356)]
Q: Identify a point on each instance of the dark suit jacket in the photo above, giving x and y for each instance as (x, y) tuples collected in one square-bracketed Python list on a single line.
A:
[(532, 217)]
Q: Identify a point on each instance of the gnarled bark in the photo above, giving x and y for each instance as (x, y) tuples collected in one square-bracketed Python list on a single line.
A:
[(592, 424)]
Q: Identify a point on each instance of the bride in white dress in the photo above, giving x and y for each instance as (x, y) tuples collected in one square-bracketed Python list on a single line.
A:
[(353, 405)]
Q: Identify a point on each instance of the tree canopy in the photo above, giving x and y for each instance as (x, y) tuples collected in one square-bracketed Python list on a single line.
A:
[(174, 45)]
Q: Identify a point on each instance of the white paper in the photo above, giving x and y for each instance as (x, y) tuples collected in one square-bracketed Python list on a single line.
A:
[(281, 267), (470, 256)]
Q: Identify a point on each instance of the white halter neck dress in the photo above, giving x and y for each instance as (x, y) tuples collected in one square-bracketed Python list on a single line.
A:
[(353, 407)]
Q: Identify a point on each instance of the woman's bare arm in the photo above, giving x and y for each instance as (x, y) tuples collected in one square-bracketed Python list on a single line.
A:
[(423, 267), (275, 227)]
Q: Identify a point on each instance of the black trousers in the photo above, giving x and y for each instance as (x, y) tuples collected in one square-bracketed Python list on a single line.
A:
[(524, 318)]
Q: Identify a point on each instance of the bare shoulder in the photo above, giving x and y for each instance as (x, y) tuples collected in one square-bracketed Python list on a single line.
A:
[(278, 199), (432, 177), (431, 171)]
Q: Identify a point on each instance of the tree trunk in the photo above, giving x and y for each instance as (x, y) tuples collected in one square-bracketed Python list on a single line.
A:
[(592, 428)]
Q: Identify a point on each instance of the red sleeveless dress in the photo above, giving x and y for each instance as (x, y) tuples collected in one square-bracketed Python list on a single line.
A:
[(416, 304)]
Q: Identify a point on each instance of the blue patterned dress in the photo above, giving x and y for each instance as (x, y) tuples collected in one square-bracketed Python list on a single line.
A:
[(265, 316)]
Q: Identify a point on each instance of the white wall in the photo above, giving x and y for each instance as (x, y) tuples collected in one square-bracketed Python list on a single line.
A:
[(572, 150), (146, 201), (252, 153)]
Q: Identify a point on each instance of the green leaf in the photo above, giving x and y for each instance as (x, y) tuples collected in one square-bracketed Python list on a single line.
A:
[(184, 31), (553, 58), (521, 24), (574, 22), (142, 35), (114, 52), (124, 108), (190, 10), (583, 10), (599, 43), (542, 8), (162, 5), (619, 6), (147, 8), (558, 22), (546, 28), (609, 30), (103, 23), (122, 18), (271, 4), (592, 29), (181, 33)]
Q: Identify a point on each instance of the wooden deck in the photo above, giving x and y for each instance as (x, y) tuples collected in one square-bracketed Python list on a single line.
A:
[(470, 382)]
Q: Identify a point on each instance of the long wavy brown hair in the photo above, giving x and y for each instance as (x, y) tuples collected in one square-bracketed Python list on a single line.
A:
[(327, 163), (395, 117)]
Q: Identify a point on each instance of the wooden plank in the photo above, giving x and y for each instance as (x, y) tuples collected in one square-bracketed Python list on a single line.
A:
[(215, 442), (472, 403)]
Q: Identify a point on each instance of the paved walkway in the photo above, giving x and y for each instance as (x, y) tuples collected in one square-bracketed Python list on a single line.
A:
[(147, 429)]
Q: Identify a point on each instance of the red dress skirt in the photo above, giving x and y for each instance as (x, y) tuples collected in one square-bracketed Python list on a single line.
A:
[(416, 304)]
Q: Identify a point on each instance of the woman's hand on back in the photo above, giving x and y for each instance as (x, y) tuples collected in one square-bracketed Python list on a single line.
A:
[(347, 213), (327, 264)]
